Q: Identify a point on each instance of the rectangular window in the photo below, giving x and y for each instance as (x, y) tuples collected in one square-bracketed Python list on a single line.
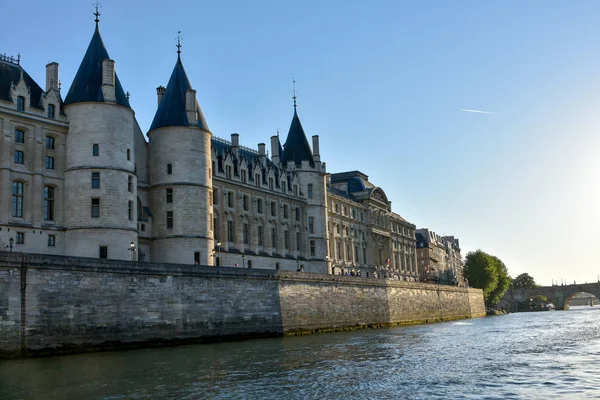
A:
[(196, 258), (312, 248), (51, 111), (95, 180), (169, 195), (243, 176), (364, 255), (336, 208), (283, 187), (355, 253), (259, 206), (337, 229), (50, 142), (128, 155), (273, 209), (230, 233), (230, 199), (49, 162), (297, 213), (130, 210), (297, 241), (286, 239), (18, 157), (130, 184), (20, 103), (169, 169), (51, 241), (245, 203), (228, 171), (95, 208), (169, 219), (257, 179), (215, 196), (95, 150), (348, 253), (103, 251), (285, 211), (339, 251), (310, 191), (273, 237), (260, 235), (295, 190), (19, 136), (20, 238), (354, 213), (345, 210), (246, 236), (17, 199), (48, 203), (271, 183), (311, 224)]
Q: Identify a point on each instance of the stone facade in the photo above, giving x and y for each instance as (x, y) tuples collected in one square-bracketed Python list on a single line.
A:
[(439, 258), (54, 304), (79, 178)]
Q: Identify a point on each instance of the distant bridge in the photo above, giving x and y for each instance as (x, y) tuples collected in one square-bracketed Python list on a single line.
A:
[(559, 295)]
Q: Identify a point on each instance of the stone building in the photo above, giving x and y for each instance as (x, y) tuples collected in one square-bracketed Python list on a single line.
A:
[(439, 258), (80, 178)]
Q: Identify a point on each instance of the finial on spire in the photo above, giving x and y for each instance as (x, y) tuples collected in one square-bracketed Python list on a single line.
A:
[(97, 13), (277, 132), (18, 58), (294, 90), (178, 43)]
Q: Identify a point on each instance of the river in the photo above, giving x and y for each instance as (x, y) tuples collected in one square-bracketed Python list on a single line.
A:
[(543, 355)]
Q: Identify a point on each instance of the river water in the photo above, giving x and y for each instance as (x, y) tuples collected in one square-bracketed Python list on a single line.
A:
[(543, 355)]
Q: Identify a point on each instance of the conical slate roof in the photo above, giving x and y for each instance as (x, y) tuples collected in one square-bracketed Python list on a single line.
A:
[(87, 85), (171, 110), (296, 147)]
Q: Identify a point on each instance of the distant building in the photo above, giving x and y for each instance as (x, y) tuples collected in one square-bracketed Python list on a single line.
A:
[(79, 178), (439, 258)]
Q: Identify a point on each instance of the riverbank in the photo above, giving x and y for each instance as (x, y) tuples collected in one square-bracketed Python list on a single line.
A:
[(57, 305)]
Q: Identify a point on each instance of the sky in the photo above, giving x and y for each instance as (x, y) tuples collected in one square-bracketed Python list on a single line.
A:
[(390, 88)]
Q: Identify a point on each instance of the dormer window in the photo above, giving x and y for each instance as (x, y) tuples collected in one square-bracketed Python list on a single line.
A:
[(243, 176), (271, 183), (20, 103), (51, 111), (228, 171)]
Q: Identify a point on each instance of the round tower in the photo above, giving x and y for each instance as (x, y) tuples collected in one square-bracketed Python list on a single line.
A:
[(100, 179), (180, 179)]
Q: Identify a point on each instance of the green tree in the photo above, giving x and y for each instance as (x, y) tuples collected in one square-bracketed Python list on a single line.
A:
[(524, 281), (487, 273)]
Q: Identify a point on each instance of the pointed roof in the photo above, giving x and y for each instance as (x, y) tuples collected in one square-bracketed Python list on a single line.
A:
[(171, 110), (87, 85), (10, 74), (296, 147)]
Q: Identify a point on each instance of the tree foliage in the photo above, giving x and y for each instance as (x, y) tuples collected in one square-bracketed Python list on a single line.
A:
[(488, 273), (524, 281)]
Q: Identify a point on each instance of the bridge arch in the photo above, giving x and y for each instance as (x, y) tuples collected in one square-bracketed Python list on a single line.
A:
[(560, 296)]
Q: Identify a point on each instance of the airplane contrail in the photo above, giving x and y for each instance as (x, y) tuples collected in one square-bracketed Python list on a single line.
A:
[(477, 111)]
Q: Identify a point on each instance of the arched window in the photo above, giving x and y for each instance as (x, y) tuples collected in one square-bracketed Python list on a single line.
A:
[(20, 103), (95, 150), (17, 199), (48, 203), (51, 111)]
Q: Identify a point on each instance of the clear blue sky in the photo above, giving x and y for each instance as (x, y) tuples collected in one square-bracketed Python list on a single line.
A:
[(384, 84)]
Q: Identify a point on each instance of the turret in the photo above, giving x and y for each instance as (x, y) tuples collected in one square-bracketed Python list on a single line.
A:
[(180, 185), (100, 179)]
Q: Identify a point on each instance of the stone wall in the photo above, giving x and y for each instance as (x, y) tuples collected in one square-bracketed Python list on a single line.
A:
[(52, 304)]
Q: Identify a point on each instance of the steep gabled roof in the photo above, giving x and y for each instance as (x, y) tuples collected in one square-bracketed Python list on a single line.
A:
[(296, 147), (171, 110), (87, 85), (10, 74)]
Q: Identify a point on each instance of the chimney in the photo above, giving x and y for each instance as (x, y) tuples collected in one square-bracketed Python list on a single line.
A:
[(235, 144), (190, 106), (108, 80), (275, 149), (261, 149), (160, 92), (51, 76), (316, 155)]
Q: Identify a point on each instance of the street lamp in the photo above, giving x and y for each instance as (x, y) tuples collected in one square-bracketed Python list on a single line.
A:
[(219, 258), (132, 249), (10, 244)]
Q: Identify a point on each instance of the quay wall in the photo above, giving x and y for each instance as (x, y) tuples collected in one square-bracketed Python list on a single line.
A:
[(55, 304)]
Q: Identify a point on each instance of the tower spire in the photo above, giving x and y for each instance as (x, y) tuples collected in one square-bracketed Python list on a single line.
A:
[(97, 13), (178, 43), (294, 90)]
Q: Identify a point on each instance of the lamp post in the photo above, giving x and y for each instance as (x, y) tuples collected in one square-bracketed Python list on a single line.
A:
[(219, 258), (132, 249), (243, 261), (10, 244)]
